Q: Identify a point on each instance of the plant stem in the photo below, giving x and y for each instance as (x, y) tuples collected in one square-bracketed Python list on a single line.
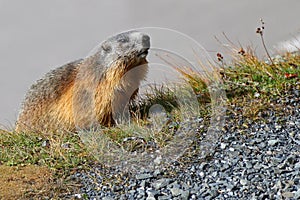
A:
[(265, 47)]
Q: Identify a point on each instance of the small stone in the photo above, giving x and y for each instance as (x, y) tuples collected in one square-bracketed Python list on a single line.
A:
[(164, 197), (66, 145), (256, 95), (272, 142), (174, 184), (156, 173), (77, 196), (150, 198), (185, 195), (243, 182), (157, 160), (202, 174), (108, 198), (141, 192), (46, 143), (152, 193), (193, 169), (213, 192), (297, 194), (214, 174), (143, 183), (248, 165), (262, 145), (176, 191), (116, 188), (267, 128), (123, 197), (297, 165), (143, 176), (223, 145), (281, 165), (132, 192), (231, 149), (161, 183), (288, 194)]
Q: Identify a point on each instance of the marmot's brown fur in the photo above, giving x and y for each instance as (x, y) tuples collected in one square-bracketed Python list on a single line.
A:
[(82, 93)]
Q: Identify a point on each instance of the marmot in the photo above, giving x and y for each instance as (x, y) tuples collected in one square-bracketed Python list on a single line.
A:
[(80, 93)]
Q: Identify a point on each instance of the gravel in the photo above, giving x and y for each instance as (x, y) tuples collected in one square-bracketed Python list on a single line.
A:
[(253, 160)]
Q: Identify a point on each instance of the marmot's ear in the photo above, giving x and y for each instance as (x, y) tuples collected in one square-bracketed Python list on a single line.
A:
[(106, 47)]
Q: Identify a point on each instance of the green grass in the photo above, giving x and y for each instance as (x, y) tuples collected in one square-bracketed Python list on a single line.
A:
[(249, 76), (59, 152)]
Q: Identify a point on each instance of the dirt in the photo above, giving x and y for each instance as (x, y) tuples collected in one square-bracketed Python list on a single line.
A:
[(23, 182)]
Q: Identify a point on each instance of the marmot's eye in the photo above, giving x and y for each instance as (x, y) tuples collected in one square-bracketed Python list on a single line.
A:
[(123, 40), (106, 47)]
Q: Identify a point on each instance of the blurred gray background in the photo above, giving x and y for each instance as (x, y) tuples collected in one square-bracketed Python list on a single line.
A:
[(37, 35)]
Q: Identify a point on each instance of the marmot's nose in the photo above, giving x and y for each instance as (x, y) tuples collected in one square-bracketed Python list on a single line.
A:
[(146, 41)]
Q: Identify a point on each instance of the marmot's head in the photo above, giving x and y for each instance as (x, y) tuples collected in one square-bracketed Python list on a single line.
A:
[(127, 49)]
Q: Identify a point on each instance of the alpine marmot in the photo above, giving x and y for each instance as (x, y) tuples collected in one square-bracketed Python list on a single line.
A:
[(81, 94)]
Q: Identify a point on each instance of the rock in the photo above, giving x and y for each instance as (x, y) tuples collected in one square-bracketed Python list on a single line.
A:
[(231, 149), (66, 145), (243, 182), (297, 165), (176, 191), (157, 172), (107, 198), (288, 194), (297, 194), (164, 197), (77, 196), (152, 193), (161, 183), (143, 176), (150, 198), (223, 145), (272, 142), (46, 143), (185, 195)]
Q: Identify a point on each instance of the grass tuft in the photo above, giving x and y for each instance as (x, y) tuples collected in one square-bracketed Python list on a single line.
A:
[(60, 152)]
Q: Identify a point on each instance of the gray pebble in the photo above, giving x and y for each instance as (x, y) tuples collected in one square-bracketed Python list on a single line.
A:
[(143, 176), (150, 198), (223, 145), (288, 194), (185, 195), (272, 142), (152, 193), (243, 182), (107, 198), (176, 191), (161, 183), (164, 197)]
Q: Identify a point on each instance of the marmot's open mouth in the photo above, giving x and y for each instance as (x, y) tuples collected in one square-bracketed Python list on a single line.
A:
[(143, 53)]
